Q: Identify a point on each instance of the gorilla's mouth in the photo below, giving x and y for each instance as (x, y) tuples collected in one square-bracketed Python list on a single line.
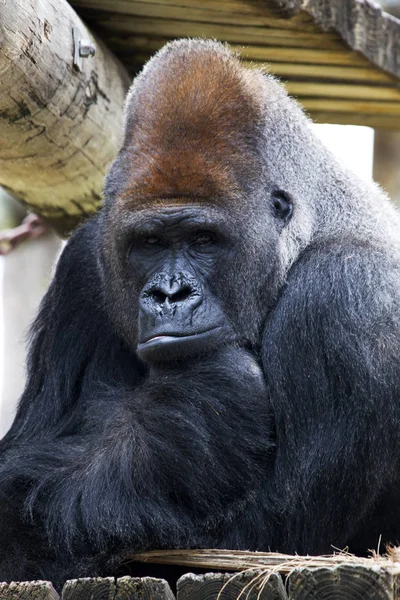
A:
[(167, 346)]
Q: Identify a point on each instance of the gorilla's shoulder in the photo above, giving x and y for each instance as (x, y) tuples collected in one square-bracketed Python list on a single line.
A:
[(343, 284)]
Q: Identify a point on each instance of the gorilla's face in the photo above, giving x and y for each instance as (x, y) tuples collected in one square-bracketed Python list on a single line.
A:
[(176, 253), (189, 278)]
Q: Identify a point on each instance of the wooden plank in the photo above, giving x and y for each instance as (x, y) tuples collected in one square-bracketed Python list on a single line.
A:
[(347, 582), (265, 53), (342, 91), (249, 585), (90, 588), (230, 33), (194, 11), (228, 6), (328, 72), (145, 588), (55, 120), (368, 120), (28, 590), (291, 71), (352, 106), (362, 25)]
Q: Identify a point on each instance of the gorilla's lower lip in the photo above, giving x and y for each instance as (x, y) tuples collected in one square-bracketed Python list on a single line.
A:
[(173, 336), (166, 346)]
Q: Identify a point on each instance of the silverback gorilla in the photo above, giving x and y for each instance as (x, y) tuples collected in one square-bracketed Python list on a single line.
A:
[(217, 361)]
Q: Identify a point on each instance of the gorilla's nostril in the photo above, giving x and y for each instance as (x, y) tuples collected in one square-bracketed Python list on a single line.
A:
[(158, 296), (181, 295)]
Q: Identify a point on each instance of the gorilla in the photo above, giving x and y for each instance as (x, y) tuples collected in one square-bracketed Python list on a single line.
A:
[(217, 360)]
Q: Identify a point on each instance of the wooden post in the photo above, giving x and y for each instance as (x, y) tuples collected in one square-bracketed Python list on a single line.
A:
[(33, 590), (145, 588), (125, 588), (249, 585), (345, 582), (89, 587), (59, 126)]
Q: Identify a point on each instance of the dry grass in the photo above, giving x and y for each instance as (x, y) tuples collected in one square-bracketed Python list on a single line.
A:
[(240, 560)]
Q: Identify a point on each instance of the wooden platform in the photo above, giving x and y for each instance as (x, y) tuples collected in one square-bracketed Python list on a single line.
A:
[(342, 582)]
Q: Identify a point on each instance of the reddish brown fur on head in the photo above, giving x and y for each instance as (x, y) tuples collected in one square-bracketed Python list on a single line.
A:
[(191, 125)]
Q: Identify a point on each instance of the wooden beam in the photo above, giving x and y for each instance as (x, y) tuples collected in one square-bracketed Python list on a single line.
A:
[(59, 127)]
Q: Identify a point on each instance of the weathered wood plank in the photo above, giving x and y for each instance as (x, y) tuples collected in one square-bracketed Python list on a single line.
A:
[(337, 90), (201, 12), (344, 582), (231, 33), (363, 25), (145, 588), (354, 106), (59, 127), (28, 590), (225, 9), (368, 120), (265, 53), (90, 588), (249, 585)]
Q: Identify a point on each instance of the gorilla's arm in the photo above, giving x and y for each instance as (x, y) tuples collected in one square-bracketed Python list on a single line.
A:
[(331, 359)]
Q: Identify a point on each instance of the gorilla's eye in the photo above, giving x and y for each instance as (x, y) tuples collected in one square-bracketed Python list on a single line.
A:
[(202, 238), (153, 240), (282, 204)]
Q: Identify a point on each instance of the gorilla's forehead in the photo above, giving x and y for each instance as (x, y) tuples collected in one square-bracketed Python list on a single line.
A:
[(193, 125)]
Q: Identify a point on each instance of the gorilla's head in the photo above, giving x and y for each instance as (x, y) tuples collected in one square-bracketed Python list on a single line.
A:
[(197, 228)]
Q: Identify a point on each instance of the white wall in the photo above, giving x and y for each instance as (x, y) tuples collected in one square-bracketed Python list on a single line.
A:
[(353, 145), (24, 278)]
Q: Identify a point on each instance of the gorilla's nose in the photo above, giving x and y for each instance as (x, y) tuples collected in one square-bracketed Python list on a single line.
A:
[(172, 291), (177, 292)]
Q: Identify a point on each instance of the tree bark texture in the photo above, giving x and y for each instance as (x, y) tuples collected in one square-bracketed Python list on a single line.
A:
[(59, 127)]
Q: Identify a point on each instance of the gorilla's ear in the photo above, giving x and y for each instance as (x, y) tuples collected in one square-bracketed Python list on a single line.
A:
[(283, 205)]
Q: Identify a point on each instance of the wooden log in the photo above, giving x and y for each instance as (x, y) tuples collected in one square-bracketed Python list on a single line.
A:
[(145, 588), (28, 590), (96, 588), (59, 127), (249, 585), (345, 582)]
